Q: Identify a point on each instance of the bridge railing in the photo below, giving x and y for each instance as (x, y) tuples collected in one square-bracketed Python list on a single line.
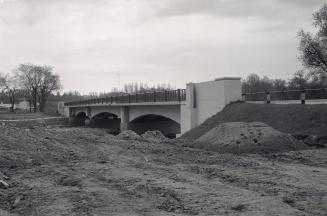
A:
[(310, 94), (155, 96)]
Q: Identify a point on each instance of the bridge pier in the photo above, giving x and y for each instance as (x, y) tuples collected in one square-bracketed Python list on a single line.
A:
[(124, 113), (71, 115), (87, 120)]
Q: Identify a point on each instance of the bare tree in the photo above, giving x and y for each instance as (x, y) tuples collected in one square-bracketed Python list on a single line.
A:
[(10, 86), (39, 82), (134, 87), (313, 47), (299, 80), (30, 76), (50, 82)]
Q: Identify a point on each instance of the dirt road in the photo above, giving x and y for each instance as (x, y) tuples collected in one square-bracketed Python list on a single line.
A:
[(80, 171)]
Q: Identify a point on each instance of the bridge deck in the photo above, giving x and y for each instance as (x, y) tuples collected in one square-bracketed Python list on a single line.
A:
[(173, 97)]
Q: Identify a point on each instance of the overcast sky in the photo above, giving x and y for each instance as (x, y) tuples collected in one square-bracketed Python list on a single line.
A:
[(91, 42)]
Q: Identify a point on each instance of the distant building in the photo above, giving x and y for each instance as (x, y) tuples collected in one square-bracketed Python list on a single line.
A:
[(22, 105)]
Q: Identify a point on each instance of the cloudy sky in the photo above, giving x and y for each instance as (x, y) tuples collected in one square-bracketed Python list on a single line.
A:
[(91, 43)]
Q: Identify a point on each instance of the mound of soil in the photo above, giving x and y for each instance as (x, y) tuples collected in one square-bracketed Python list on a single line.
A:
[(290, 118), (129, 134), (241, 137), (154, 136)]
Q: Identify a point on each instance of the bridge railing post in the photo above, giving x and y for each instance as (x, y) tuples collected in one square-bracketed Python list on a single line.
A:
[(302, 97), (166, 95), (154, 96), (322, 93), (268, 98)]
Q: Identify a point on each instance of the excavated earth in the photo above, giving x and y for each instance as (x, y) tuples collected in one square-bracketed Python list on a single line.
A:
[(83, 171), (242, 137)]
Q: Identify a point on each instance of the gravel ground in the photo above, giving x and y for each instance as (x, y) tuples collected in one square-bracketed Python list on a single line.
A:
[(81, 171)]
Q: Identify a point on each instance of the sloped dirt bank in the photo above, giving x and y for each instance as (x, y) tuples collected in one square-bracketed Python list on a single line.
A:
[(295, 119)]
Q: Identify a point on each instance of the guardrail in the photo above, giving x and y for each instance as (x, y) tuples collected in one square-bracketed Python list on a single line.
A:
[(302, 95), (155, 96)]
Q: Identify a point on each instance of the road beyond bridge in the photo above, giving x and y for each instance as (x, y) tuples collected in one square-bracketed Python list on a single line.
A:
[(171, 112)]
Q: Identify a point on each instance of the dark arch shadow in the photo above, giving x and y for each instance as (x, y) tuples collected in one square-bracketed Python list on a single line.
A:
[(81, 115), (79, 119), (167, 126), (106, 120)]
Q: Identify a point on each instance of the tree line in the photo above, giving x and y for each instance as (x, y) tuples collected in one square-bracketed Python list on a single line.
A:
[(131, 88), (300, 80), (33, 82), (313, 55)]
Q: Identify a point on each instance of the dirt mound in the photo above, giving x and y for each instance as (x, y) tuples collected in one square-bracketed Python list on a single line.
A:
[(241, 137), (154, 136), (287, 118), (129, 134)]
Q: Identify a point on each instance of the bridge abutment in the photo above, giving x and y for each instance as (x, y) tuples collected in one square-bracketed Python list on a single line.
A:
[(205, 99)]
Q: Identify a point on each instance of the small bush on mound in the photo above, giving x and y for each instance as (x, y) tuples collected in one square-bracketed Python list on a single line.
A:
[(129, 134), (154, 135), (241, 137)]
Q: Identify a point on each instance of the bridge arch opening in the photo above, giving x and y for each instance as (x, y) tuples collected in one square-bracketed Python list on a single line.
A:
[(106, 120), (79, 119), (166, 126)]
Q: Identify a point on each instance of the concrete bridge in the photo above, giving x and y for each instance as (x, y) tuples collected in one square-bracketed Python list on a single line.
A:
[(171, 112)]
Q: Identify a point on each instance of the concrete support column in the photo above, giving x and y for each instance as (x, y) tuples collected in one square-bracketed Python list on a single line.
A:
[(189, 115), (87, 121), (88, 112), (124, 111), (71, 111), (72, 115)]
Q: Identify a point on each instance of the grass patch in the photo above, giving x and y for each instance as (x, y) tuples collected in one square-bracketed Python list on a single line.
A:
[(291, 118)]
